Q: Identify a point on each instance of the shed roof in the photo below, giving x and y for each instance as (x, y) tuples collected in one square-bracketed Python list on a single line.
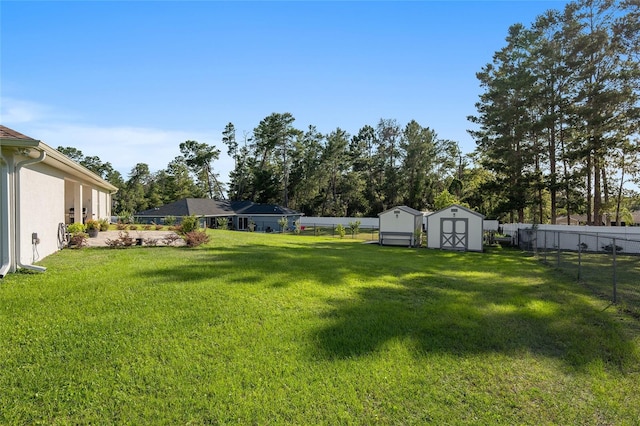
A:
[(406, 209), (458, 207)]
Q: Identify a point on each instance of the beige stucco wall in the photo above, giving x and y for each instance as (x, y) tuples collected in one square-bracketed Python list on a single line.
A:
[(41, 209), (46, 195)]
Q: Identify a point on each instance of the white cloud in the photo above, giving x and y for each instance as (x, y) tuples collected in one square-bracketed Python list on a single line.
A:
[(125, 146), (20, 111), (122, 146)]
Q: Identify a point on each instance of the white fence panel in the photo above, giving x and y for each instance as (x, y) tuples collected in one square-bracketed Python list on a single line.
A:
[(365, 222)]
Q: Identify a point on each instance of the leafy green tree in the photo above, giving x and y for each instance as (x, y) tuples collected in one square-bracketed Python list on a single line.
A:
[(199, 158), (444, 200), (273, 140)]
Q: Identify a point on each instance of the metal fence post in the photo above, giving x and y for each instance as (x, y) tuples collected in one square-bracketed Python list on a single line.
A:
[(579, 257), (615, 283), (558, 248)]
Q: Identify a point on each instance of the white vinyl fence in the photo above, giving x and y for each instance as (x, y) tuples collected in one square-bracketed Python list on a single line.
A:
[(365, 222)]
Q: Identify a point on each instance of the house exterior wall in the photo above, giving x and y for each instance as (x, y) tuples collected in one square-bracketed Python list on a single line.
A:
[(37, 186), (6, 226), (267, 223), (41, 210), (474, 228)]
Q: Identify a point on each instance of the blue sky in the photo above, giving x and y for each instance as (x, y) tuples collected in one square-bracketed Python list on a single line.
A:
[(130, 81)]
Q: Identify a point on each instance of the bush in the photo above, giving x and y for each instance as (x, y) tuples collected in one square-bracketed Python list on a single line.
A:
[(196, 238), (152, 242), (104, 224), (188, 224), (92, 225), (223, 223), (78, 240), (121, 226), (354, 227), (123, 240), (158, 227), (76, 228), (147, 227), (170, 239), (125, 217), (341, 230), (283, 222), (170, 220)]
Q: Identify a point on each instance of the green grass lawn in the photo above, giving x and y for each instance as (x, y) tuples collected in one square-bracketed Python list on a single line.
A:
[(283, 329)]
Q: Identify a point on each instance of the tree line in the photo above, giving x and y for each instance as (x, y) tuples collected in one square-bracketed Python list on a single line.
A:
[(559, 114), (556, 131)]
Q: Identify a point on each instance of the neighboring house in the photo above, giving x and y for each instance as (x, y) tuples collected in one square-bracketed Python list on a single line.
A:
[(41, 190), (455, 228), (241, 215), (400, 226), (581, 219)]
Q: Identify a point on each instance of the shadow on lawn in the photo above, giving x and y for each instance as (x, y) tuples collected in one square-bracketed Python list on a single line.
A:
[(459, 303)]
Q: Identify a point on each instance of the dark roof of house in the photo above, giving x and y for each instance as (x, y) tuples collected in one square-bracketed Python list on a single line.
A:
[(7, 133), (248, 207), (208, 207)]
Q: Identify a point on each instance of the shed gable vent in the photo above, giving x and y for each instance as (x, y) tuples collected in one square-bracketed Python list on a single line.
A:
[(454, 210)]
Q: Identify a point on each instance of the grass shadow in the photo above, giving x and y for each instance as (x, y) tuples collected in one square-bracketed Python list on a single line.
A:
[(444, 302)]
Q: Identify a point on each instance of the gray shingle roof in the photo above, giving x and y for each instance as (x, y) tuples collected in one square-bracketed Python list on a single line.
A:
[(211, 208)]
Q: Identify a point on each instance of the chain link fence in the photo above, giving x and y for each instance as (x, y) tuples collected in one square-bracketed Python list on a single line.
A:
[(367, 233), (608, 265)]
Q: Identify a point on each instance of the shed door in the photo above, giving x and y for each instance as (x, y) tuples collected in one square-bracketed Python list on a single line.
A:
[(454, 234)]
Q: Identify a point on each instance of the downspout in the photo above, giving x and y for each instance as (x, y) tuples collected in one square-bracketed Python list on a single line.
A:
[(4, 225), (16, 221)]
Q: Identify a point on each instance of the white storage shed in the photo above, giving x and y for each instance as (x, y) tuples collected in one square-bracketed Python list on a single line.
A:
[(398, 226), (455, 228)]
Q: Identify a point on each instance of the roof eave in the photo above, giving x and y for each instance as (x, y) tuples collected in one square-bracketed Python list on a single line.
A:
[(65, 163)]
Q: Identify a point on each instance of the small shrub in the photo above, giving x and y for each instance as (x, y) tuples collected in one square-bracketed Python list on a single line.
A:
[(104, 224), (297, 227), (223, 223), (147, 227), (121, 226), (123, 240), (125, 217), (115, 243), (75, 228), (126, 239), (78, 240), (340, 229), (158, 227), (283, 222), (354, 227), (92, 225), (133, 227), (188, 224), (170, 220), (196, 238), (152, 242), (170, 239)]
